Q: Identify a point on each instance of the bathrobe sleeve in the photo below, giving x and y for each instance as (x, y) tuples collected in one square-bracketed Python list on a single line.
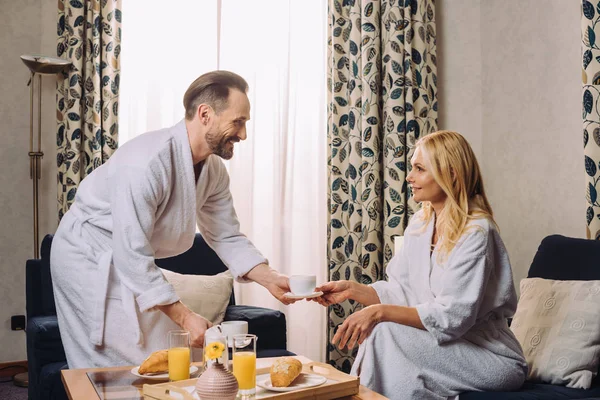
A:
[(220, 228), (135, 196), (454, 311)]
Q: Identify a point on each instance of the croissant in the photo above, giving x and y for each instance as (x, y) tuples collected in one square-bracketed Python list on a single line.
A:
[(156, 362), (284, 370)]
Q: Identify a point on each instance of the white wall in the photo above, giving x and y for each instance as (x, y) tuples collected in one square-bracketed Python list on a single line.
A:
[(26, 26), (459, 69), (512, 70)]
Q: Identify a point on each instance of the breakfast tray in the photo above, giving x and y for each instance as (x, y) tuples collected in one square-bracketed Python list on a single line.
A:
[(338, 385)]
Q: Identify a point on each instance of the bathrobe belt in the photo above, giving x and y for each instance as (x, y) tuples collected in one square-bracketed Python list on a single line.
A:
[(102, 252)]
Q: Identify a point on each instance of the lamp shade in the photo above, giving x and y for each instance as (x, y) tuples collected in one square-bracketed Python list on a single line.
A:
[(39, 64)]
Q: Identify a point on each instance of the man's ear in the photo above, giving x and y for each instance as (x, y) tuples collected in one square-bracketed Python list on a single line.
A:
[(204, 113)]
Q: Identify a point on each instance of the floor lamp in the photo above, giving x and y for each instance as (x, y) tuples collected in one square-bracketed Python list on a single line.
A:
[(39, 65)]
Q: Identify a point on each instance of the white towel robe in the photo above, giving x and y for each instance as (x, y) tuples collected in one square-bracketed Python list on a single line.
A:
[(463, 304), (140, 205)]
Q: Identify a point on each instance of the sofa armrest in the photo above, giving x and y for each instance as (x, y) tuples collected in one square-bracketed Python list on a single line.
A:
[(44, 345), (39, 294), (269, 325)]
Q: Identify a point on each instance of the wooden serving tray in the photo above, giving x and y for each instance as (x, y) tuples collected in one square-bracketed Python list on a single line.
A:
[(338, 385)]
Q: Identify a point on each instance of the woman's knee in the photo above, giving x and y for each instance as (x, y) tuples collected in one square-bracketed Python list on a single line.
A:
[(398, 331)]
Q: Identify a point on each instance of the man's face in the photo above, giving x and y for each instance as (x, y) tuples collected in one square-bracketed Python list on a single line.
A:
[(229, 126)]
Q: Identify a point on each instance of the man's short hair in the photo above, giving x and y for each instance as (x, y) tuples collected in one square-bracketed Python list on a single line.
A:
[(212, 88)]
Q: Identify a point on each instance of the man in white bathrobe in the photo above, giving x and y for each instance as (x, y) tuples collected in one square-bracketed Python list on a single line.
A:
[(114, 305)]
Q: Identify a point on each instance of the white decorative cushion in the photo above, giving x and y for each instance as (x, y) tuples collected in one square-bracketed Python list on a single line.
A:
[(207, 295), (558, 326)]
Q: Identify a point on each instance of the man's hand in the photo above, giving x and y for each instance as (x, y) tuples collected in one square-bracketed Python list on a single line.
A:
[(279, 287), (188, 320), (277, 284), (197, 326)]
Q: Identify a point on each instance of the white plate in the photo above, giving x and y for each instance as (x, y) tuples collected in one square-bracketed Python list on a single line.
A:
[(301, 382), (160, 377), (293, 296)]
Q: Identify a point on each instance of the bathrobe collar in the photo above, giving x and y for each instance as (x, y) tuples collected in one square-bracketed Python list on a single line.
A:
[(180, 135)]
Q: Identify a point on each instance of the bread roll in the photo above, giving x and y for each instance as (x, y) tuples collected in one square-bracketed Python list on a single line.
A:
[(155, 363), (284, 370)]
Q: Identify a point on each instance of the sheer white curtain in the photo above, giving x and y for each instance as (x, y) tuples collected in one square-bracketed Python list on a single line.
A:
[(163, 51), (278, 175)]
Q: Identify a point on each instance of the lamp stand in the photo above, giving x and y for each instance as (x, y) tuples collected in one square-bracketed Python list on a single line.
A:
[(37, 65), (35, 161), (21, 380)]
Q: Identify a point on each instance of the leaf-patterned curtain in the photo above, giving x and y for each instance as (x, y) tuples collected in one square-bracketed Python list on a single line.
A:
[(89, 34), (382, 98), (590, 35)]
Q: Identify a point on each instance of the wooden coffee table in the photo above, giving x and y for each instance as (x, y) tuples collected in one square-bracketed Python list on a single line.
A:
[(78, 385)]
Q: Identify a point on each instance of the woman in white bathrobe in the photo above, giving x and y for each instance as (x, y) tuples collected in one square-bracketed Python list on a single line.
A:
[(114, 305), (438, 326)]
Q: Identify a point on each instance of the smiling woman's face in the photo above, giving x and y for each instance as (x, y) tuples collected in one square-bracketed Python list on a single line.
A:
[(423, 185)]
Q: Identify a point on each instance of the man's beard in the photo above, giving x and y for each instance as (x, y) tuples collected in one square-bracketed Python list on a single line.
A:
[(220, 145)]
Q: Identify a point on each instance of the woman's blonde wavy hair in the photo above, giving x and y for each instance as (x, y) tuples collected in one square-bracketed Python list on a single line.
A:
[(454, 167)]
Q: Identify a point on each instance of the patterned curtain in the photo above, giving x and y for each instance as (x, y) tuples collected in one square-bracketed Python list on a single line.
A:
[(89, 34), (382, 98), (591, 113)]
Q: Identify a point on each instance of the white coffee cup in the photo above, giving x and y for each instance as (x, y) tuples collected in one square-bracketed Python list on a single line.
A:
[(302, 285), (230, 328)]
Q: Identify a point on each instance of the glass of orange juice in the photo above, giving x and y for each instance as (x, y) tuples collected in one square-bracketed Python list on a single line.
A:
[(179, 355), (244, 363)]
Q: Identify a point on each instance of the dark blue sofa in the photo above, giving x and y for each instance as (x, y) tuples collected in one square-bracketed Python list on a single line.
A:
[(45, 353), (557, 258)]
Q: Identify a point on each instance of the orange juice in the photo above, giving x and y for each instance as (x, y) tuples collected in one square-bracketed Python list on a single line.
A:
[(179, 363), (244, 369)]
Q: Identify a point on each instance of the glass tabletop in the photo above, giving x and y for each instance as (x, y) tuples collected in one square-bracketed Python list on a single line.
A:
[(121, 384), (117, 385)]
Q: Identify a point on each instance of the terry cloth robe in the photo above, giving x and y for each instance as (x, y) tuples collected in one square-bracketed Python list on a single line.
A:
[(463, 303), (142, 204)]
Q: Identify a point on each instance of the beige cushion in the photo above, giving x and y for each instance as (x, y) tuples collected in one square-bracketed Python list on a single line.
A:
[(204, 294), (558, 326)]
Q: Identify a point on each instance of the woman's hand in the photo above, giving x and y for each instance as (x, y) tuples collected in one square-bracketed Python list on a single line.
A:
[(334, 292), (197, 326), (357, 327)]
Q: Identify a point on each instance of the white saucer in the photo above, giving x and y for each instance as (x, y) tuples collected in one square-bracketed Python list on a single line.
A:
[(292, 296), (301, 382), (160, 377)]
